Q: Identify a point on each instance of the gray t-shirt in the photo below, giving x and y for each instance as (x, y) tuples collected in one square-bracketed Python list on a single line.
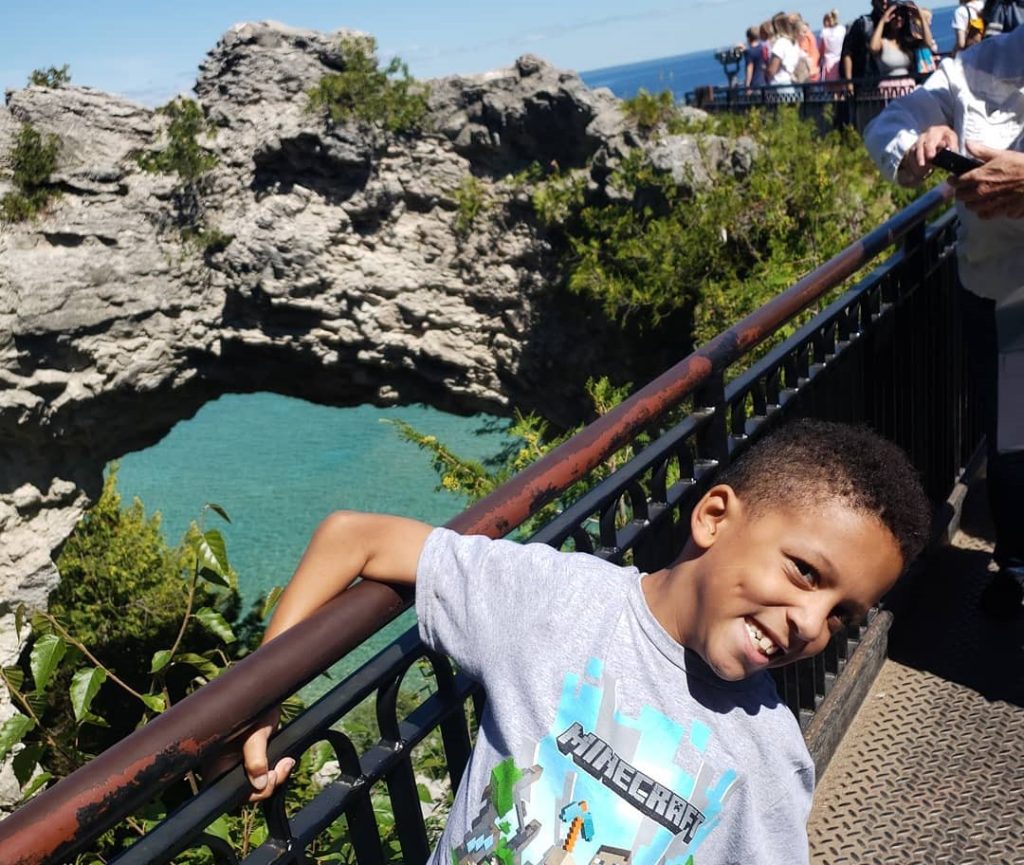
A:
[(603, 740)]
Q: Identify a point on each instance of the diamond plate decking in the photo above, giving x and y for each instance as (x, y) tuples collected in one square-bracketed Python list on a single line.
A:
[(931, 770)]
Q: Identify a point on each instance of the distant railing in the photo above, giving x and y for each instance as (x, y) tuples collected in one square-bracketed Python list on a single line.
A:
[(887, 352), (843, 103)]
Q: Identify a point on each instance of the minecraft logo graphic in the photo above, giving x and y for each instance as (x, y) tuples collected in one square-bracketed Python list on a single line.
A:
[(599, 759), (604, 786)]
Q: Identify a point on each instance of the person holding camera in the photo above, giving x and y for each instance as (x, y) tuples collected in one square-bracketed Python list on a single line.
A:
[(900, 33)]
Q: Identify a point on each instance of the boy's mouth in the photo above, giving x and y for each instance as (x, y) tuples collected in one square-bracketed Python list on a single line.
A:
[(763, 643)]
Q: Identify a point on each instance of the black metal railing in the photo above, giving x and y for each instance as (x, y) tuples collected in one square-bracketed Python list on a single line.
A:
[(842, 103), (886, 352)]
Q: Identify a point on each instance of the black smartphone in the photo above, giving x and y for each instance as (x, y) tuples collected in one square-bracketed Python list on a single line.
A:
[(954, 162)]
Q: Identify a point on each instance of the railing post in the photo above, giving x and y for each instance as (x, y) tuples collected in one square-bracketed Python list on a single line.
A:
[(713, 438)]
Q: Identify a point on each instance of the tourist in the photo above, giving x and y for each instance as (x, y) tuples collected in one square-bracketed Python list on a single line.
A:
[(962, 15), (589, 665), (856, 60), (756, 53), (808, 43), (953, 105), (900, 33), (975, 32), (830, 45), (787, 60), (1002, 16)]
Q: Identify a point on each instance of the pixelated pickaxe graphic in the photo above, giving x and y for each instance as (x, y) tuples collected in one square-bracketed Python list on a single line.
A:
[(580, 821)]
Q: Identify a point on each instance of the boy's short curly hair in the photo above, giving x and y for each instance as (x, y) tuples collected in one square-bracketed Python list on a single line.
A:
[(807, 461)]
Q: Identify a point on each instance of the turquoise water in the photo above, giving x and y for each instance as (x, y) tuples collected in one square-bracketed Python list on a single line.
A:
[(279, 465)]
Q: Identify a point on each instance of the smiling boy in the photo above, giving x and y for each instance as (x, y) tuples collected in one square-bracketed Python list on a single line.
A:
[(628, 711)]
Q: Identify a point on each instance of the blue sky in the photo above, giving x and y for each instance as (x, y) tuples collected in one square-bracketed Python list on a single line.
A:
[(150, 51)]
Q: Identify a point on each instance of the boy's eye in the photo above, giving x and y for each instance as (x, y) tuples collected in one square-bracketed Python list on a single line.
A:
[(806, 572)]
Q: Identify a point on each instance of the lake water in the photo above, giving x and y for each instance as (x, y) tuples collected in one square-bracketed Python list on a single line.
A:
[(279, 465)]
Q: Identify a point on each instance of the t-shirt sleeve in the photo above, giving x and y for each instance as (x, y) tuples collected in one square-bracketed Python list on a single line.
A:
[(480, 600)]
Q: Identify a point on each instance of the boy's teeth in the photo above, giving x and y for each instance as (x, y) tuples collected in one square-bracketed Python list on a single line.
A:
[(764, 644)]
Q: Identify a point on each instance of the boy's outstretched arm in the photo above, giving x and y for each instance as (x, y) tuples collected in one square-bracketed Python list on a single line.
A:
[(344, 546)]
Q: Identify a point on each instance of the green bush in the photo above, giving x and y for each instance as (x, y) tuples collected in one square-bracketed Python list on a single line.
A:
[(557, 199), (51, 77), (532, 438), (133, 626), (714, 254), (388, 97), (182, 155), (649, 111), (471, 201), (33, 159), (185, 157)]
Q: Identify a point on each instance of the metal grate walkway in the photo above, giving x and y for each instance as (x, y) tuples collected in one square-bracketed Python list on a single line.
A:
[(931, 770)]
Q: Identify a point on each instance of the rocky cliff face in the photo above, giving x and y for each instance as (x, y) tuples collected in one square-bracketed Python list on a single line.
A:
[(345, 280)]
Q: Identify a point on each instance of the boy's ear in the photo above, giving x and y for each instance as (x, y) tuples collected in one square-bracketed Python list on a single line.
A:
[(717, 507)]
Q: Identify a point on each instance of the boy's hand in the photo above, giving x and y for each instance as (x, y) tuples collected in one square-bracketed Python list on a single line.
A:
[(264, 780), (345, 545), (917, 162), (995, 188)]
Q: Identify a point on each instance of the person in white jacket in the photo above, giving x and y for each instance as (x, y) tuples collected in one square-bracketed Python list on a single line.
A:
[(974, 103)]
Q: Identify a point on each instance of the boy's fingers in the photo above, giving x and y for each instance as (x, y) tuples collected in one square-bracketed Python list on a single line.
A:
[(273, 779), (283, 769), (254, 756)]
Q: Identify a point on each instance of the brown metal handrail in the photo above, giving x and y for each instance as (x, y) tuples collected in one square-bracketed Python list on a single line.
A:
[(129, 774)]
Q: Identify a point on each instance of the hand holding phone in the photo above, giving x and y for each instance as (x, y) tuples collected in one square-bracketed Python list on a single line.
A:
[(955, 163)]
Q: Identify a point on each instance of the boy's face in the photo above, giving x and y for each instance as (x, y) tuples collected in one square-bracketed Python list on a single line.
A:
[(771, 588)]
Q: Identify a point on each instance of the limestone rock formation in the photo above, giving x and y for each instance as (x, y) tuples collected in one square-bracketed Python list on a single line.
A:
[(345, 279)]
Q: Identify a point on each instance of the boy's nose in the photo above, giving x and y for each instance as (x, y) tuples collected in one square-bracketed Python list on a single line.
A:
[(808, 618)]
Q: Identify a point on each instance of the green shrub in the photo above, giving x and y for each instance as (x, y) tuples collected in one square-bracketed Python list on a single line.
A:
[(388, 97), (714, 254), (182, 155), (133, 626), (557, 199), (208, 239), (33, 159), (471, 201), (51, 77), (185, 157), (532, 437), (649, 111)]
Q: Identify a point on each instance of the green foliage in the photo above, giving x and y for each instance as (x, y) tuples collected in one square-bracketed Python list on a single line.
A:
[(208, 239), (714, 254), (183, 155), (386, 97), (471, 201), (51, 77), (557, 199), (650, 111), (160, 621), (533, 438), (132, 628), (33, 159)]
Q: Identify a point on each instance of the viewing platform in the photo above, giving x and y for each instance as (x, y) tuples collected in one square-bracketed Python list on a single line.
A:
[(915, 720), (930, 769)]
